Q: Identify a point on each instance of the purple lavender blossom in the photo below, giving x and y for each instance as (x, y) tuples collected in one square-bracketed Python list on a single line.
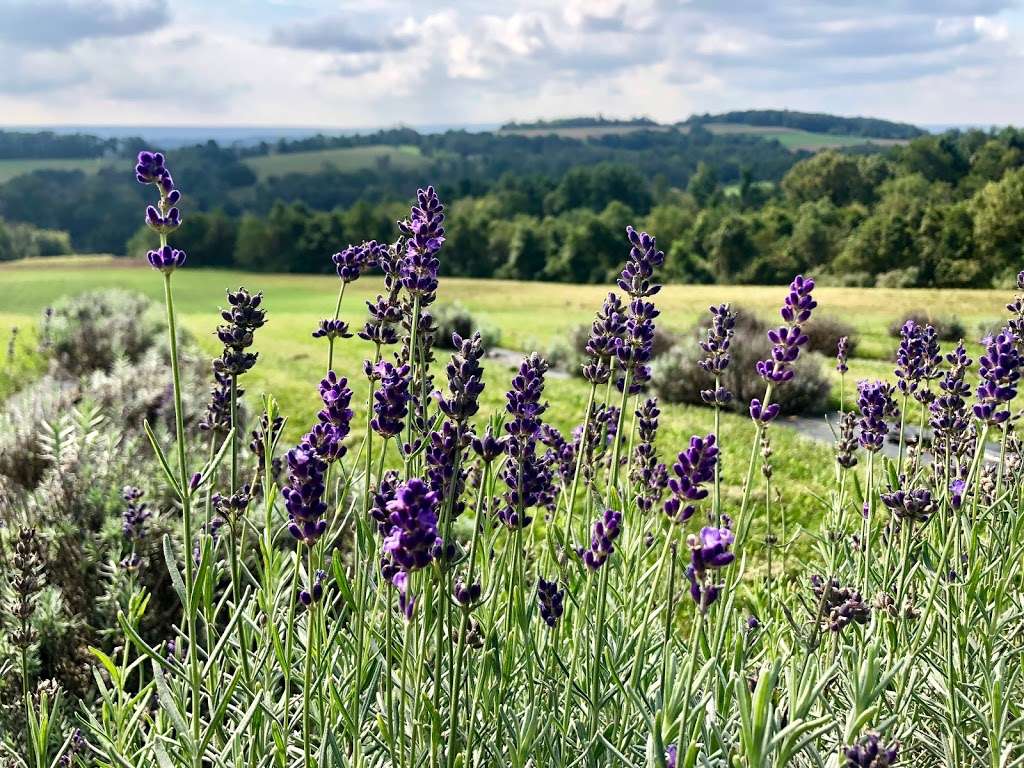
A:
[(561, 454), (716, 352), (604, 532), (917, 360), (650, 476), (634, 350), (605, 333), (425, 232), (316, 592), (948, 414), (332, 329), (489, 447), (764, 413), (1015, 324), (150, 168), (163, 224), (914, 505), (957, 489), (634, 345), (303, 494), (413, 536), (876, 403), (380, 499), (527, 474), (551, 600), (870, 752), (846, 441), (693, 467), (838, 606), (334, 420), (842, 354), (242, 318), (671, 756), (391, 399), (136, 513), (465, 379), (789, 338), (445, 474), (352, 261), (380, 328), (999, 369), (466, 594), (644, 258), (217, 417), (709, 551), (166, 259)]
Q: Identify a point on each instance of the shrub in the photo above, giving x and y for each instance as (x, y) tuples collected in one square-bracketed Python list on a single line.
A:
[(824, 332), (89, 331), (456, 318), (677, 378), (948, 328), (909, 277)]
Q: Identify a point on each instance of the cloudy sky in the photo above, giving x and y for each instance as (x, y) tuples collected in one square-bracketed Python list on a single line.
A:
[(381, 62)]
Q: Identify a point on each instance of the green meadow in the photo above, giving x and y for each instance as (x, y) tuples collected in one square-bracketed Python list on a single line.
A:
[(9, 168), (529, 315), (346, 159)]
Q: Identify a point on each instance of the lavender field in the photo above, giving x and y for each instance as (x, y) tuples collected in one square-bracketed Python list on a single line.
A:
[(389, 519)]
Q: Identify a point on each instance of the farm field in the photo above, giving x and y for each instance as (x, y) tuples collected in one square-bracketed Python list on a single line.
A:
[(345, 159), (795, 139), (9, 168)]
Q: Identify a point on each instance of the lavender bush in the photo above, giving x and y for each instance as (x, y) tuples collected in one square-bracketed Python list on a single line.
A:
[(451, 588)]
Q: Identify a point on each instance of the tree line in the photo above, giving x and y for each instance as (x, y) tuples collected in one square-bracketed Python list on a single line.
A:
[(944, 210)]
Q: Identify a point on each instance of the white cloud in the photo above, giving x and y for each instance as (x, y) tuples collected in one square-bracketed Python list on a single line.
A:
[(303, 62)]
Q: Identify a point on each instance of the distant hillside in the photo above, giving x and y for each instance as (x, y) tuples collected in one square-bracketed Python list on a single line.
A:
[(577, 122), (813, 122), (582, 127)]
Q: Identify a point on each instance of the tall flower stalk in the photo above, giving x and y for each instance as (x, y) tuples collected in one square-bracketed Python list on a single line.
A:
[(164, 218)]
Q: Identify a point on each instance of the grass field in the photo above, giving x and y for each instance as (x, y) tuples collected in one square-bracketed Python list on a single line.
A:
[(795, 140), (11, 168), (346, 159), (529, 315)]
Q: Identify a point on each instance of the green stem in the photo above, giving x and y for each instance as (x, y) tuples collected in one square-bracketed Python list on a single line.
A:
[(330, 340), (186, 511)]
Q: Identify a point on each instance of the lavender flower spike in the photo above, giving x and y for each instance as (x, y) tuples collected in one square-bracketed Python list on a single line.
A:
[(605, 531), (605, 333), (694, 467), (353, 260), (391, 400), (644, 258), (166, 259), (789, 338), (716, 352), (527, 475), (842, 354), (425, 232), (303, 495), (876, 403), (412, 540), (551, 600), (999, 369), (708, 552), (870, 752)]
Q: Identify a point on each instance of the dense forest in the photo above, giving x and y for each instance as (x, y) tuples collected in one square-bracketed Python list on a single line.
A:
[(936, 210)]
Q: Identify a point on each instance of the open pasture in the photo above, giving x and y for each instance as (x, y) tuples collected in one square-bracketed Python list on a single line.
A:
[(346, 159)]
